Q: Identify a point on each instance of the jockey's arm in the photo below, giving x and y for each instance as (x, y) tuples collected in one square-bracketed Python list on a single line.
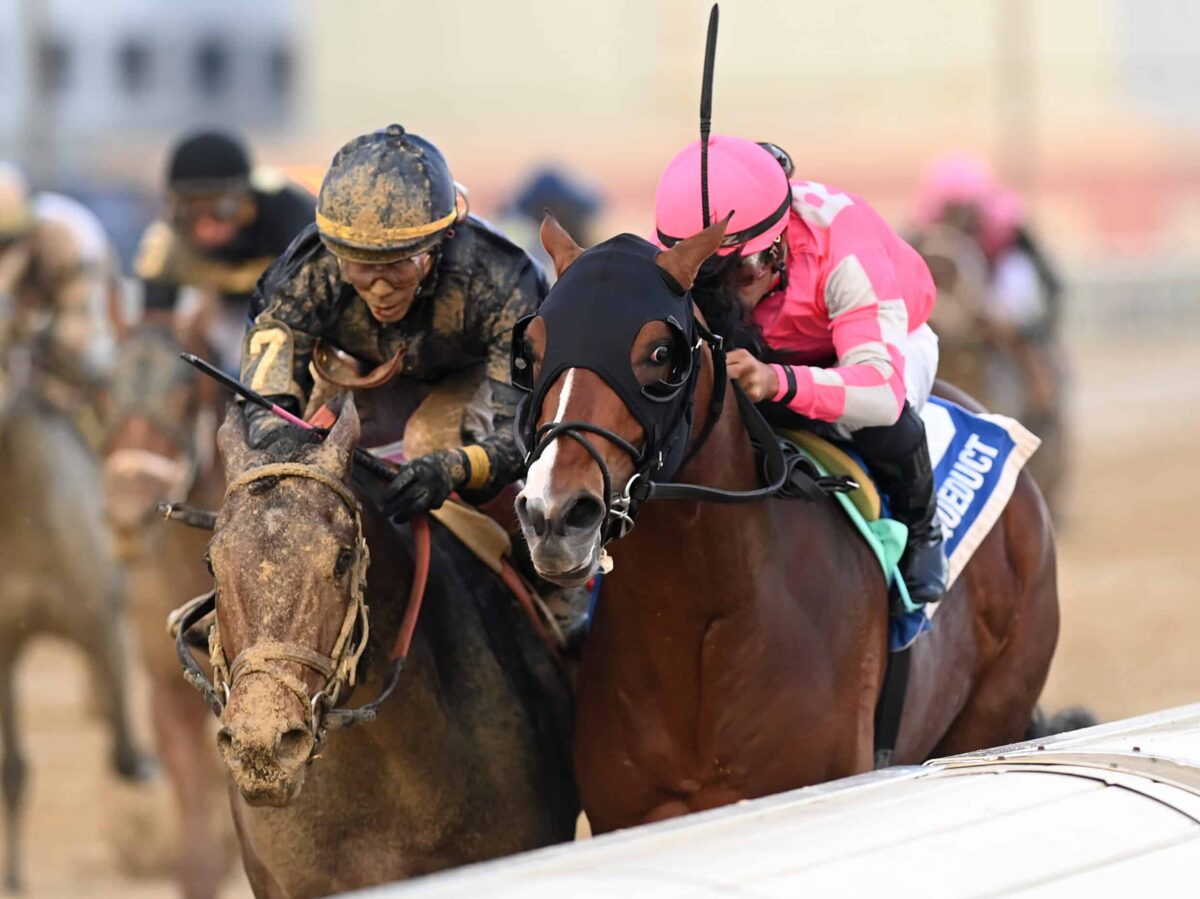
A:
[(287, 316), (494, 459), (869, 325)]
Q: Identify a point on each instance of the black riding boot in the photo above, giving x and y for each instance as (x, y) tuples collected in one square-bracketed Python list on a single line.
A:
[(898, 457)]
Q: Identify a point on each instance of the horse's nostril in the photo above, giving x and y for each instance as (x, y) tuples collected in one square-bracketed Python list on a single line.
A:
[(294, 746), (225, 740), (584, 514), (531, 514)]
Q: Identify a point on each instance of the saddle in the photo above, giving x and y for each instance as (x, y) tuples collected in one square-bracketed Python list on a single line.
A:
[(839, 463)]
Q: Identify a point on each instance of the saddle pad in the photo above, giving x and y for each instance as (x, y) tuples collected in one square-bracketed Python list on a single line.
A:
[(976, 459), (477, 532), (836, 461)]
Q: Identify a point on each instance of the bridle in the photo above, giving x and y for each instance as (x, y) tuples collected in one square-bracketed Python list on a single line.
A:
[(786, 473), (338, 668)]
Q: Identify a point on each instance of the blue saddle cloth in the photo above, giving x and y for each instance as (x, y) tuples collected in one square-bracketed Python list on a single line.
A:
[(976, 459)]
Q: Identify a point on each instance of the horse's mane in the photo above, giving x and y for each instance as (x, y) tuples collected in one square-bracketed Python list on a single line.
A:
[(725, 316)]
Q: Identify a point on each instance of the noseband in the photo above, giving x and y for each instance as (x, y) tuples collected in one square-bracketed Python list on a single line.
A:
[(785, 471), (338, 669), (649, 461)]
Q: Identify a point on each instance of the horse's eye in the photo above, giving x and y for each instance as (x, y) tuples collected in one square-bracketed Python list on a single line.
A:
[(208, 565), (344, 560), (661, 354)]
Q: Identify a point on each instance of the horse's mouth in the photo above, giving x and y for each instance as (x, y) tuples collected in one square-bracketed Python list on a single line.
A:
[(265, 785), (561, 566)]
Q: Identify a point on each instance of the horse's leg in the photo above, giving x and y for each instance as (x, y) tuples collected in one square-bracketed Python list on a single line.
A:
[(12, 772), (107, 652), (186, 748), (1009, 681)]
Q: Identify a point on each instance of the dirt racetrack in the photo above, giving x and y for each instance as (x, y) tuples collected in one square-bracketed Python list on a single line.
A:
[(1129, 580)]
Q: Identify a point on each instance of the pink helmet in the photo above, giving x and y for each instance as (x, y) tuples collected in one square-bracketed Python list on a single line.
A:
[(743, 177), (955, 177), (960, 177)]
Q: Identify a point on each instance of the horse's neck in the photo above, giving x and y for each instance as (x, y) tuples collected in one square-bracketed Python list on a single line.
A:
[(714, 553), (694, 543)]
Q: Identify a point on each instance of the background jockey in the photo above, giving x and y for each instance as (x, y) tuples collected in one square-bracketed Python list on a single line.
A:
[(225, 223), (832, 305), (1020, 299), (59, 291)]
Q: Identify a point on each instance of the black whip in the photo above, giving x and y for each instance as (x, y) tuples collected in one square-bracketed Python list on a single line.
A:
[(378, 467), (706, 86)]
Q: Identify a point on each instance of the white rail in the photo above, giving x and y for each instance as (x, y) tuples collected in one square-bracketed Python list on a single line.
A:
[(1111, 810)]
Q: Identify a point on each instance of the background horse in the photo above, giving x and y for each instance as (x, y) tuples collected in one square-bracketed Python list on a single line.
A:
[(469, 758), (993, 363), (162, 448), (740, 650), (58, 575)]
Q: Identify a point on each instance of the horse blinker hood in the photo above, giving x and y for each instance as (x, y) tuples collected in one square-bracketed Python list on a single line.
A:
[(593, 316)]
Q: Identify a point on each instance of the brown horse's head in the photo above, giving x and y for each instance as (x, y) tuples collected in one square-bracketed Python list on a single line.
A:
[(289, 562), (628, 395), (161, 428)]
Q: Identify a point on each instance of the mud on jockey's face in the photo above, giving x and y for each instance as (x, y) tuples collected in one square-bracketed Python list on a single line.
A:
[(388, 288)]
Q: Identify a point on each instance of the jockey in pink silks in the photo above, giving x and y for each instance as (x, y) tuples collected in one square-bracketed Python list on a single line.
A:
[(959, 190), (837, 303)]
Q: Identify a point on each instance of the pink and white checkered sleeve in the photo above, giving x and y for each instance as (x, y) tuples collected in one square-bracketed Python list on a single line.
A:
[(869, 324)]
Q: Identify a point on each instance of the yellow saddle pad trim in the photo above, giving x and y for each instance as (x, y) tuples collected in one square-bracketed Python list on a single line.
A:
[(838, 462), (477, 531)]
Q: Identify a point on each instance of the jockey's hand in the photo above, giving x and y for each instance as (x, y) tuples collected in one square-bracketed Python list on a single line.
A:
[(422, 484), (757, 379)]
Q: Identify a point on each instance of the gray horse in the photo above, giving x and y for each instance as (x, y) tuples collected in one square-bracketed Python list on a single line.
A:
[(58, 575)]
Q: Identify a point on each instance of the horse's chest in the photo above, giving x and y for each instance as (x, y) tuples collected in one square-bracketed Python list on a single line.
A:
[(719, 721)]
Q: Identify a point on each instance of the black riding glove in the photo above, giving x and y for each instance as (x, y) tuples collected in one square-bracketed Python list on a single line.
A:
[(423, 484)]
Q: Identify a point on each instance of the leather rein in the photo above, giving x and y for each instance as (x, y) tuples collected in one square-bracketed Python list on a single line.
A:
[(338, 668), (785, 470)]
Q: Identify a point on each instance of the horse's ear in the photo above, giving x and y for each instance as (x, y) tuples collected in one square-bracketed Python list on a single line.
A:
[(683, 260), (335, 452), (232, 441), (559, 244)]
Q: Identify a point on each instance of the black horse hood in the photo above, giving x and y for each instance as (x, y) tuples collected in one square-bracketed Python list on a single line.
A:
[(593, 315)]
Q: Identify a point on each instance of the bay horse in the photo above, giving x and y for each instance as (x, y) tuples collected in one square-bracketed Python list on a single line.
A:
[(469, 756), (162, 448), (1006, 370), (736, 650)]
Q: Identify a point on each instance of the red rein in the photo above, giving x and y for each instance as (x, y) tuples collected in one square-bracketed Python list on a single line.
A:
[(416, 592), (324, 418)]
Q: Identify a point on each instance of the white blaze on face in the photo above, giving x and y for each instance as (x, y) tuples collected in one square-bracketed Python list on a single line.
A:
[(537, 482)]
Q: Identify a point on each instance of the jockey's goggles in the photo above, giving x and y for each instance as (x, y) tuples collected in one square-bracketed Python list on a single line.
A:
[(752, 267), (736, 269), (186, 210), (420, 259)]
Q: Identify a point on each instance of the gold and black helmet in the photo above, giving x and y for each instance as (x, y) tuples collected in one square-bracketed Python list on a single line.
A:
[(387, 195)]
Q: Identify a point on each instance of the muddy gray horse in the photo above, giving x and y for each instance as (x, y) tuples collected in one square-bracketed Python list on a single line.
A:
[(469, 757), (161, 448), (58, 575)]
